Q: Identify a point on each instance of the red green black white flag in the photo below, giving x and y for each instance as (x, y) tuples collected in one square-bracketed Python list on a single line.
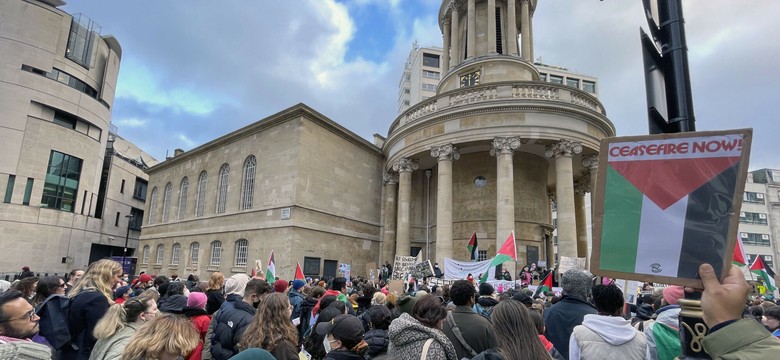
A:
[(473, 247)]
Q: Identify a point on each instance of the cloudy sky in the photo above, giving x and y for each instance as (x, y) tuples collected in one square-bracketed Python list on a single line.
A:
[(195, 70)]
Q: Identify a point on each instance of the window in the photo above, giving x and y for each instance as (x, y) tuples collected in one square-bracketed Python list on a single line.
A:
[(152, 205), (175, 254), (431, 60), (589, 86), (185, 184), (752, 218), (62, 182), (431, 74), (9, 189), (575, 83), (137, 220), (28, 191), (753, 197), (222, 188), (241, 252), (311, 266), (116, 222), (140, 189), (160, 254), (83, 37), (145, 257), (166, 201), (429, 87), (122, 187), (543, 77), (65, 120), (406, 90), (555, 79), (481, 255), (248, 185), (194, 256), (406, 102), (200, 199), (754, 239), (766, 258), (216, 253), (555, 239)]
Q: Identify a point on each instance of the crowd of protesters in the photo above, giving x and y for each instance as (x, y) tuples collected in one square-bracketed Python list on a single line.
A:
[(97, 314)]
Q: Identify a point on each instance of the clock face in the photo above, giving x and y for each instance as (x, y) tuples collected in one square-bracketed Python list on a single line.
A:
[(470, 79)]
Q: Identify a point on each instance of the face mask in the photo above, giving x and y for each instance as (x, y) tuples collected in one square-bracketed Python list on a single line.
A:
[(326, 344)]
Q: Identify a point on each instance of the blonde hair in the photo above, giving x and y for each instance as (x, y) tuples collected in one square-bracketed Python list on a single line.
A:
[(271, 324), (119, 315), (378, 299), (216, 281), (98, 277), (166, 333)]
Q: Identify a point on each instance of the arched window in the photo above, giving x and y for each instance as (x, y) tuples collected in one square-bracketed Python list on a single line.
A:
[(248, 183), (222, 188), (175, 254), (185, 184), (201, 198), (241, 252), (166, 201), (145, 257), (160, 254), (216, 253), (152, 205), (194, 256)]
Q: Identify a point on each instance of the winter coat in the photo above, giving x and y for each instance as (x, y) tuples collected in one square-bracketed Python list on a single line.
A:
[(214, 299), (561, 318), (111, 348), (601, 336), (23, 349), (342, 355), (364, 302), (86, 309), (173, 304), (550, 348), (377, 341), (662, 343), (285, 351), (408, 336), (485, 305), (475, 328), (200, 320), (339, 296), (306, 307), (489, 354), (296, 300), (744, 340), (233, 318)]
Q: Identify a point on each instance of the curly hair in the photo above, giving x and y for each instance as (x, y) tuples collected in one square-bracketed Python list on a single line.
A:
[(271, 324), (166, 333), (461, 292), (98, 277)]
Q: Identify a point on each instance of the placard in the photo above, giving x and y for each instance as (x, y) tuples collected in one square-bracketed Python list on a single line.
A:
[(396, 286), (402, 266), (422, 270), (667, 203), (568, 263)]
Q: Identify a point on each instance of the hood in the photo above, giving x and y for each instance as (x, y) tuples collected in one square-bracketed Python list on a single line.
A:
[(173, 304), (644, 312), (613, 329), (668, 315), (407, 331), (487, 301), (377, 341)]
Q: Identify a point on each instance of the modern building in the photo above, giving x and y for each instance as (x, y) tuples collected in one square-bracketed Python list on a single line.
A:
[(57, 81), (759, 218), (421, 75)]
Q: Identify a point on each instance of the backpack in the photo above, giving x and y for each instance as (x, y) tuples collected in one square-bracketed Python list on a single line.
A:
[(485, 312), (54, 320)]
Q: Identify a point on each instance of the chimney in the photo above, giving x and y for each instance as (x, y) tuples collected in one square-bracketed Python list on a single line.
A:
[(177, 152)]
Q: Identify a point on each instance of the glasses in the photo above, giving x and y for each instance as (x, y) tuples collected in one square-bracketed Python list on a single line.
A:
[(30, 315), (61, 285)]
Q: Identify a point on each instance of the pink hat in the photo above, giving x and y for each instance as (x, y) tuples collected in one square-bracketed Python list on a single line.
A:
[(673, 293), (196, 300)]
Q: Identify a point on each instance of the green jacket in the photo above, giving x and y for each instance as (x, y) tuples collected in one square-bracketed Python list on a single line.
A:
[(112, 347), (744, 340)]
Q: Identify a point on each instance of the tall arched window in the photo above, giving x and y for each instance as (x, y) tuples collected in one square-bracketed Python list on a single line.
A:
[(194, 256), (222, 188), (200, 200), (175, 254), (152, 205), (145, 256), (160, 254), (248, 183), (216, 253), (166, 201), (185, 184), (241, 252)]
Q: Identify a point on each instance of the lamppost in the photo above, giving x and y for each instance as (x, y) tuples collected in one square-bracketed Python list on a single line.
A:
[(127, 238)]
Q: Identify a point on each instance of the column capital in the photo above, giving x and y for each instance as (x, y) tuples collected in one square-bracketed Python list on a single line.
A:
[(504, 145), (591, 162), (582, 187), (445, 152), (446, 21), (390, 178), (405, 165), (563, 148)]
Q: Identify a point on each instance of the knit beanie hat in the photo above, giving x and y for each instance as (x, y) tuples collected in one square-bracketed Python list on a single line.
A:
[(297, 284), (236, 284), (406, 303), (280, 285), (672, 294), (121, 291), (486, 289), (196, 300)]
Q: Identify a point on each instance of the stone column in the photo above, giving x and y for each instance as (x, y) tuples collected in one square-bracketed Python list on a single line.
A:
[(388, 243), (491, 21), (503, 149), (525, 29), (564, 193), (457, 53), (445, 154), (582, 224), (531, 35), (511, 19), (592, 164), (471, 42), (445, 53), (404, 167)]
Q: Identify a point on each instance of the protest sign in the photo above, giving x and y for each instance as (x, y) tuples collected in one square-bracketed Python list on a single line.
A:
[(402, 266), (345, 269), (458, 270), (667, 203), (396, 286), (568, 263), (422, 270)]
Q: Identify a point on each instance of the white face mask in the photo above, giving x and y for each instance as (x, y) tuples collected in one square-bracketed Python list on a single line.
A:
[(326, 344)]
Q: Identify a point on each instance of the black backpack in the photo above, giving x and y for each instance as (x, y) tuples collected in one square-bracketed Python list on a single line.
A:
[(54, 320)]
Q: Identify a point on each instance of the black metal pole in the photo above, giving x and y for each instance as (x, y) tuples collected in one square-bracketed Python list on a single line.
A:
[(127, 238), (678, 80)]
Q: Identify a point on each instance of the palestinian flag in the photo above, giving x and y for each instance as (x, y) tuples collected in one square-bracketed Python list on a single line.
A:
[(270, 271), (762, 271), (298, 272), (507, 252), (544, 286), (739, 254), (668, 204), (473, 247)]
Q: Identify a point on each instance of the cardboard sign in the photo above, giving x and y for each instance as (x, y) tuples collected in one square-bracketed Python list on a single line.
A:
[(667, 203), (422, 270), (402, 266), (396, 286), (569, 263)]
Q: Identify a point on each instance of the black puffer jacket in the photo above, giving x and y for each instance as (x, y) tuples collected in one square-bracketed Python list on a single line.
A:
[(377, 341), (233, 318), (173, 304)]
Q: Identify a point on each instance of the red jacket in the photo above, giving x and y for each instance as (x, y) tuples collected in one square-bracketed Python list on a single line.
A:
[(201, 323), (335, 293)]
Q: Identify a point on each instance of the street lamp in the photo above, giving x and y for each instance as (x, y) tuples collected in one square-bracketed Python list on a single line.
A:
[(127, 238)]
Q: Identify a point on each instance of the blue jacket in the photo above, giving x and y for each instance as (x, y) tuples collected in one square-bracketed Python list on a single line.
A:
[(296, 299), (234, 317), (561, 318)]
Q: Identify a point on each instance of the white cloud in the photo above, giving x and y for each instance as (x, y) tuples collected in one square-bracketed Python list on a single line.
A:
[(130, 122), (188, 143)]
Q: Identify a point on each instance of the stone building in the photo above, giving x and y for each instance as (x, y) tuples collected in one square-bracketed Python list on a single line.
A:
[(57, 81)]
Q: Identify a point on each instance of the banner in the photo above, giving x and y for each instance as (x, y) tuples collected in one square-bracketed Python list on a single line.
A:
[(568, 263), (458, 270), (402, 265)]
